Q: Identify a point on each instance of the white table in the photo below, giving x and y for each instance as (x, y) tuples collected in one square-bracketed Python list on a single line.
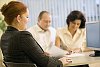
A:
[(81, 60)]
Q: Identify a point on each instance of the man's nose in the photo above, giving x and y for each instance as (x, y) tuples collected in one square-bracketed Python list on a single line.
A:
[(48, 23)]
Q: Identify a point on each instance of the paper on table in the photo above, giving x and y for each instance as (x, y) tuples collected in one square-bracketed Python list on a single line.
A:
[(75, 55), (56, 52)]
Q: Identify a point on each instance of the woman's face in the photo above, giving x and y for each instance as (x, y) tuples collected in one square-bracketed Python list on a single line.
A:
[(23, 20), (74, 25)]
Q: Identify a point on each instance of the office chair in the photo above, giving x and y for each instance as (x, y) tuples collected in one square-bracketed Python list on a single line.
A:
[(11, 64)]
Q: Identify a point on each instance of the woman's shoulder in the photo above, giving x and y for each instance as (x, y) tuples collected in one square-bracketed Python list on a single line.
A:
[(82, 30), (24, 33)]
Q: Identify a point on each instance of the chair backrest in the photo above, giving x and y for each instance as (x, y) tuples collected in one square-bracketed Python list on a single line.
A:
[(11, 64)]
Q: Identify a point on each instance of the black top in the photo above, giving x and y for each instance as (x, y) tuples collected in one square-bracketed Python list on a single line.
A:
[(21, 47)]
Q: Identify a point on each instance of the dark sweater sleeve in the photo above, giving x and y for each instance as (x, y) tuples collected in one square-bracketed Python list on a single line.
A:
[(54, 62), (36, 53)]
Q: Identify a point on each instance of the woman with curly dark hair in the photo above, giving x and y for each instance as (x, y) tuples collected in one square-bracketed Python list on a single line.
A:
[(73, 36)]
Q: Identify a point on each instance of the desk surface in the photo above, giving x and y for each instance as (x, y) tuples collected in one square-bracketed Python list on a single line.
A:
[(81, 60)]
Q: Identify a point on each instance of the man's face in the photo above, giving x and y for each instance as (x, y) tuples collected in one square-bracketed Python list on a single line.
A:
[(45, 21)]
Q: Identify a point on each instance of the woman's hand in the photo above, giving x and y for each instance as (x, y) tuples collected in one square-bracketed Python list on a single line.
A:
[(65, 60), (76, 50), (47, 54)]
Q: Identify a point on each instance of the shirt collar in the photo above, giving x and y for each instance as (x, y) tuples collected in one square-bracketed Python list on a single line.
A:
[(67, 31), (10, 28), (39, 29)]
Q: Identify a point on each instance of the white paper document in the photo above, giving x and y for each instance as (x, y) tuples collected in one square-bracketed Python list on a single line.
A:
[(75, 55), (56, 52)]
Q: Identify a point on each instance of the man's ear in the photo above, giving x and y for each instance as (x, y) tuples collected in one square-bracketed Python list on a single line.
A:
[(18, 18)]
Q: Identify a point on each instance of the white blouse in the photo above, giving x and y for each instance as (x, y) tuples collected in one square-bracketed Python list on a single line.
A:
[(67, 41)]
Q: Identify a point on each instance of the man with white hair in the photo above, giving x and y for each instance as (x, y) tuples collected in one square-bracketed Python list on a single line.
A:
[(42, 32)]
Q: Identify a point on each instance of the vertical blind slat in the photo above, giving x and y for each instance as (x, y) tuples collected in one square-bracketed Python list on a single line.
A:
[(59, 10)]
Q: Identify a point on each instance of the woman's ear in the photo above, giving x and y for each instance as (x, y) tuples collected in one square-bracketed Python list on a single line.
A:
[(18, 18)]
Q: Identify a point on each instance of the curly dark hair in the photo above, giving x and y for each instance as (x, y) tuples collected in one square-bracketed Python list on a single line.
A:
[(74, 15)]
